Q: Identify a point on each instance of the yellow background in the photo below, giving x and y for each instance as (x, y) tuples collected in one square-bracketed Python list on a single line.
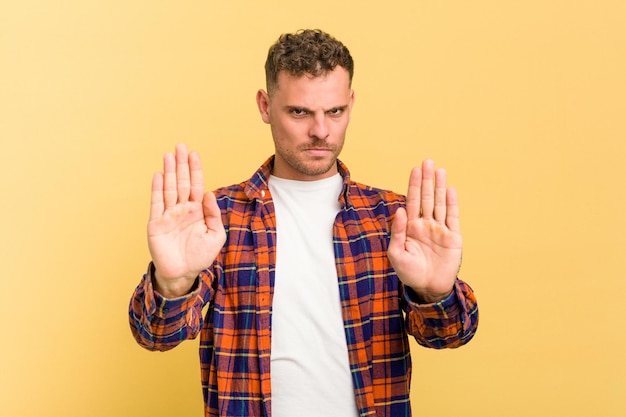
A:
[(522, 102)]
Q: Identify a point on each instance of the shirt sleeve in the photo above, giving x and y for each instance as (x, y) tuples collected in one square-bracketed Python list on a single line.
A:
[(161, 324), (449, 323)]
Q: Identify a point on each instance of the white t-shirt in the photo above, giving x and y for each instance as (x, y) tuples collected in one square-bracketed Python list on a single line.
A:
[(310, 371)]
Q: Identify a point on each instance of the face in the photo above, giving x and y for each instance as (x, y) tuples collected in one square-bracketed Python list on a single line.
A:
[(308, 117)]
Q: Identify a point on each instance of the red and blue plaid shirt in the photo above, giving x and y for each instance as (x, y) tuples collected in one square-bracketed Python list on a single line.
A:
[(378, 312)]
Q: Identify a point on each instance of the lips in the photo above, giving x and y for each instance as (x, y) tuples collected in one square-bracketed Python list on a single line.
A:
[(317, 151)]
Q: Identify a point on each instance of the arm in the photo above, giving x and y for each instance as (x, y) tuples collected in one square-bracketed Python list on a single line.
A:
[(158, 323), (449, 323), (425, 250), (185, 234)]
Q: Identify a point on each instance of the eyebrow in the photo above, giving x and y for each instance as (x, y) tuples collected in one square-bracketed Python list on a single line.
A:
[(305, 109)]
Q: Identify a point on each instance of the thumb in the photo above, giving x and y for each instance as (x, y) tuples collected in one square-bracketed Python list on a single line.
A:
[(212, 213), (398, 231)]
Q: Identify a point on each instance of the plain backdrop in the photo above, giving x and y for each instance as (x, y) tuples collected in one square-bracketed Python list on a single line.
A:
[(522, 102)]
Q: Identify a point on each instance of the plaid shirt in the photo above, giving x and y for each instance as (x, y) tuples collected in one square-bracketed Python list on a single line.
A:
[(378, 312)]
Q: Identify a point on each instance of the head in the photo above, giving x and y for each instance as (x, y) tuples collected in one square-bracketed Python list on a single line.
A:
[(307, 103)]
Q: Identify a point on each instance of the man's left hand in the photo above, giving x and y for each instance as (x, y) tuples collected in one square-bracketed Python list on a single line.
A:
[(425, 247)]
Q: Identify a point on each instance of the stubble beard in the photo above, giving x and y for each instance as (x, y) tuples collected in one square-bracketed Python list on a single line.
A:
[(305, 165)]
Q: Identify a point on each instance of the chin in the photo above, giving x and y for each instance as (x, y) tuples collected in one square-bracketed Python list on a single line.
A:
[(317, 169)]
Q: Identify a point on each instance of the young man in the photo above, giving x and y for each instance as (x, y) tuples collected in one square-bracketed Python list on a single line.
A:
[(313, 282)]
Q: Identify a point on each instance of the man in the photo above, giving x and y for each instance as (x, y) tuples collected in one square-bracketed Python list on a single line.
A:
[(312, 281)]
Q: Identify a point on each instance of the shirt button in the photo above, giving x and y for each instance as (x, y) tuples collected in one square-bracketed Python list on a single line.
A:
[(262, 193)]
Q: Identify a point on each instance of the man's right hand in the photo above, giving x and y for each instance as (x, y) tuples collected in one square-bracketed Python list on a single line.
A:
[(185, 230)]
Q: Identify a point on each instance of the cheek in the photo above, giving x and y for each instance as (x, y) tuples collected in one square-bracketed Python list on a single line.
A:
[(289, 130), (339, 128)]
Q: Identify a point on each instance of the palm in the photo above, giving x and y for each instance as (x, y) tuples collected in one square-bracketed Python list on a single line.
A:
[(180, 241), (426, 244)]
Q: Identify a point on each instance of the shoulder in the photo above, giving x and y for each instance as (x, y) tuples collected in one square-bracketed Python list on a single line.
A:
[(359, 194), (232, 197), (373, 204), (368, 196), (231, 191)]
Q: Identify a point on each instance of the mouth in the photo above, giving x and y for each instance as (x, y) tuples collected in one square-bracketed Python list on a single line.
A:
[(317, 152)]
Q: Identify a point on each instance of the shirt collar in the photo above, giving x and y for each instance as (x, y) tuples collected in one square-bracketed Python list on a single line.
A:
[(256, 187)]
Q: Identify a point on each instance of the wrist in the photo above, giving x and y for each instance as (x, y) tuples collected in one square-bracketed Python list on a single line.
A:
[(173, 288), (428, 297)]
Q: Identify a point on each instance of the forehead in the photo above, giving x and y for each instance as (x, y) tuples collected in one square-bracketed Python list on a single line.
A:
[(331, 86)]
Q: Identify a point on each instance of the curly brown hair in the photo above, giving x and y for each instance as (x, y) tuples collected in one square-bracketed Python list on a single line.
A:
[(308, 51)]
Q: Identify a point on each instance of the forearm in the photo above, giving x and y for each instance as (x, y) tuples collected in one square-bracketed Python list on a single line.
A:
[(158, 323), (449, 323)]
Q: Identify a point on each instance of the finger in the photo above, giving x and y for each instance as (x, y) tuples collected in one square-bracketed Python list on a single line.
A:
[(413, 195), (398, 231), (452, 212), (156, 197), (440, 195), (170, 196), (197, 178), (182, 173), (212, 213), (428, 189)]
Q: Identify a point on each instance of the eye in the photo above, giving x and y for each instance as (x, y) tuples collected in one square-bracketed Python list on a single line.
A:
[(298, 112), (337, 111)]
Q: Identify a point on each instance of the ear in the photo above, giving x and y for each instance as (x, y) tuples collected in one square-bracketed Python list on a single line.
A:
[(350, 103), (263, 103)]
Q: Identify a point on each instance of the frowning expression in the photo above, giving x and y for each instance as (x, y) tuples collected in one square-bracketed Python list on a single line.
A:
[(308, 117)]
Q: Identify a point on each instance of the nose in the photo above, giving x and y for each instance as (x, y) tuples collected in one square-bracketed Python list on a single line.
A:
[(319, 127)]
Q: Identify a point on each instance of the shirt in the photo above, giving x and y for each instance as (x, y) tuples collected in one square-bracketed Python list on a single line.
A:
[(235, 335), (310, 369)]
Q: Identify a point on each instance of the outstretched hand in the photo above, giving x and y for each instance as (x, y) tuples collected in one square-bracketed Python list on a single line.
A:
[(185, 230), (425, 247)]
